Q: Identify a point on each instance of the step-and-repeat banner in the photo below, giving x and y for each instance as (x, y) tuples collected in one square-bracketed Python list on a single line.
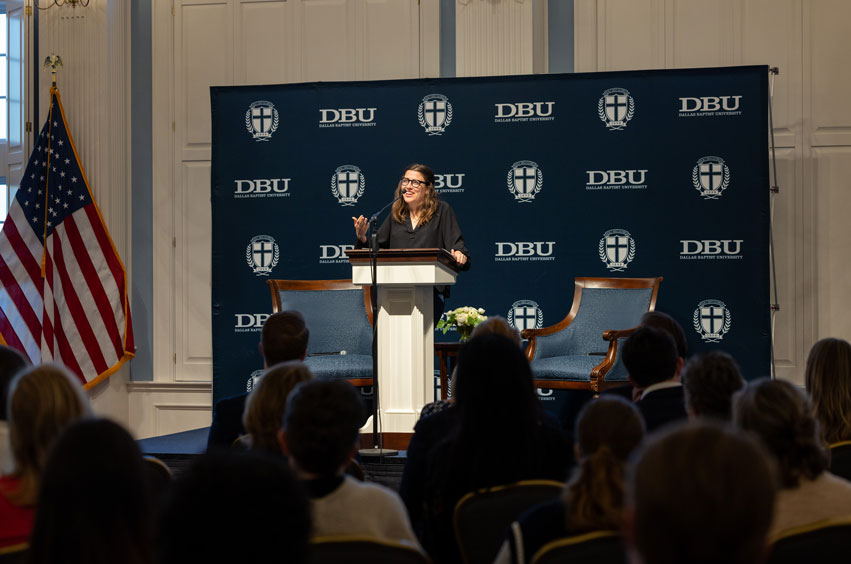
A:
[(622, 174)]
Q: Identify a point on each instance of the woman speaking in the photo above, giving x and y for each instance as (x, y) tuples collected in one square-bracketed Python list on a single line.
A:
[(418, 220)]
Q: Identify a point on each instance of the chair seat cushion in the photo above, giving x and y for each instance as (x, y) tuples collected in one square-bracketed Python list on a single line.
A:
[(340, 366), (572, 368)]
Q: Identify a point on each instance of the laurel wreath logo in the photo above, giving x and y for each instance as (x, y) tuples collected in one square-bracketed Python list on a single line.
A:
[(276, 119), (630, 256), (728, 321), (601, 110), (631, 111), (695, 180), (336, 192), (249, 256)]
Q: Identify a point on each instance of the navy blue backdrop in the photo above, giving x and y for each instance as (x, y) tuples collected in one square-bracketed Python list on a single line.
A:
[(633, 174)]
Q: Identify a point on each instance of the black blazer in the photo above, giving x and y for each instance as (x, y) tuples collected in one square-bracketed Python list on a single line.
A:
[(661, 407), (227, 422)]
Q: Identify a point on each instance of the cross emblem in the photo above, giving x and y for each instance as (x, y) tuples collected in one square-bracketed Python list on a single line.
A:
[(262, 117), (710, 175), (523, 175), (616, 246), (433, 109), (348, 182), (263, 253), (522, 317), (711, 314), (616, 106)]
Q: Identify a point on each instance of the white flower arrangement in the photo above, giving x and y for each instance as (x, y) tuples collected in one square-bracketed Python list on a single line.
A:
[(464, 319)]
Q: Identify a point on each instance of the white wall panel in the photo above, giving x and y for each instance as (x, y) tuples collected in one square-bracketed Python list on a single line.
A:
[(262, 43), (192, 257), (497, 37), (829, 24), (203, 58), (702, 34), (391, 40), (631, 34), (328, 31)]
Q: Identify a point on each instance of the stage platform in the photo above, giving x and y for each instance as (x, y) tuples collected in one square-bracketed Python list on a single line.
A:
[(178, 450)]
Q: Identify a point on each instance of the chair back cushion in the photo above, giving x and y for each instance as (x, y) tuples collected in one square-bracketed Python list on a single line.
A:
[(336, 319), (345, 550), (481, 518), (825, 543), (600, 309), (597, 547)]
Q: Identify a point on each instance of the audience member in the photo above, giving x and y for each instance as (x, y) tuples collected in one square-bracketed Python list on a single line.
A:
[(11, 362), (284, 338), (663, 321), (828, 380), (320, 435), (709, 381), (495, 324), (434, 425), (699, 493), (501, 436), (43, 400), (782, 416), (94, 504), (650, 357), (267, 403), (235, 507), (607, 431)]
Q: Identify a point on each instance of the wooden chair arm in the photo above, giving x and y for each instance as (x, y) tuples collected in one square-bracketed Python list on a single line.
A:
[(615, 334)]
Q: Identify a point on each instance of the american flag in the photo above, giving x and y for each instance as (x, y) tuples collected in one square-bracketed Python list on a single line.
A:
[(63, 287)]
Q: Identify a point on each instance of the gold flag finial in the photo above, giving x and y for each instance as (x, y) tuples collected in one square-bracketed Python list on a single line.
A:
[(52, 62)]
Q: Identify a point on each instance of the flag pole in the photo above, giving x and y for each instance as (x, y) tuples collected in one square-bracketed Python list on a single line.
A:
[(51, 62)]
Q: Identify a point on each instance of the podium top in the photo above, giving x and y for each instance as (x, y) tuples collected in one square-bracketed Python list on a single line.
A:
[(360, 257)]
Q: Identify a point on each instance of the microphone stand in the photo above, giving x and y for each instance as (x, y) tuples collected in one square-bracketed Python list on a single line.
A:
[(377, 440)]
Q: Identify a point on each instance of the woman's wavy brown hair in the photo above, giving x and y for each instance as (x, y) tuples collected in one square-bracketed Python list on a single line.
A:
[(400, 208), (782, 416), (828, 380), (607, 431)]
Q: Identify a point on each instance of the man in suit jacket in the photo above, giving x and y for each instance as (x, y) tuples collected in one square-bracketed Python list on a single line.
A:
[(284, 338), (651, 358)]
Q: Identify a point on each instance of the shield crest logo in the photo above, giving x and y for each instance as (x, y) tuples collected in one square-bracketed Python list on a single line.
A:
[(262, 254), (525, 314), (615, 108), (710, 176), (525, 180), (712, 320), (435, 114), (616, 249), (348, 184), (261, 120)]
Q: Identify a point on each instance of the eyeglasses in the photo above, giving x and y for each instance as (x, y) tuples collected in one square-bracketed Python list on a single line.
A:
[(412, 182)]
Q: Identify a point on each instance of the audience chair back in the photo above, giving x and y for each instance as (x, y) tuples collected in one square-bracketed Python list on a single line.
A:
[(481, 517), (338, 315), (18, 554), (596, 547), (827, 542), (346, 549), (581, 351)]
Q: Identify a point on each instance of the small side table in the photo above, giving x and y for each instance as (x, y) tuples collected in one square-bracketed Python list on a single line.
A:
[(444, 352)]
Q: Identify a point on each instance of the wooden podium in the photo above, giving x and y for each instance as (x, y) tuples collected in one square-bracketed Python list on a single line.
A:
[(405, 280)]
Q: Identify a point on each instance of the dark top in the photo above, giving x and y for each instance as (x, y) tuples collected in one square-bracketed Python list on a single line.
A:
[(840, 460), (545, 523), (441, 232), (661, 407), (227, 422), (447, 481)]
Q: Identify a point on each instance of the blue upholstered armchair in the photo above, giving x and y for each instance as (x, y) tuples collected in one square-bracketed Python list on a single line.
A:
[(581, 351), (338, 315)]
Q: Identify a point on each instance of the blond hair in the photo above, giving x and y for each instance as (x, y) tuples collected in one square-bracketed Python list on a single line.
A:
[(267, 402), (828, 381), (43, 401)]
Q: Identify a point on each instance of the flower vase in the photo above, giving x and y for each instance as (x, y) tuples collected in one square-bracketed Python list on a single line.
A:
[(464, 332)]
